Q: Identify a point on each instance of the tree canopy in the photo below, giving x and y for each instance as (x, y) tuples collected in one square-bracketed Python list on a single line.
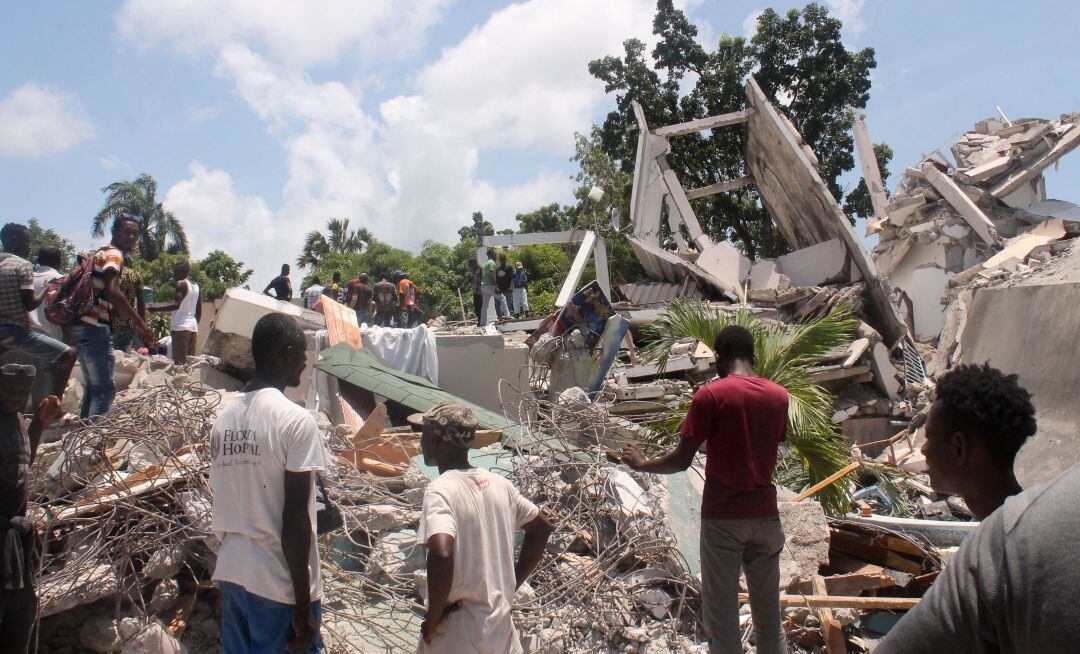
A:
[(339, 239), (160, 229), (215, 274), (40, 237), (800, 63)]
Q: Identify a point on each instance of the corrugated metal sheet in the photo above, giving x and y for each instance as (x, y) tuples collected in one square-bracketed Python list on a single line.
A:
[(659, 293)]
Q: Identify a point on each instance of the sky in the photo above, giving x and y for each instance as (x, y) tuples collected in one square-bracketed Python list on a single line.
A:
[(261, 119)]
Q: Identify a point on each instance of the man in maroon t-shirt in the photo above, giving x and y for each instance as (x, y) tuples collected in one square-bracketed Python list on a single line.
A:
[(743, 419)]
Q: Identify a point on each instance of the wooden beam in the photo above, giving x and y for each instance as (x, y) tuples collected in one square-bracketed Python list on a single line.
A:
[(832, 632), (839, 602), (1032, 170), (719, 187), (702, 124), (585, 250), (824, 483)]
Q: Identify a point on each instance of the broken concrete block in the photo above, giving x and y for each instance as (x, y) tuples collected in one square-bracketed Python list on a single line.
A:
[(764, 274), (628, 497), (724, 261), (986, 170), (375, 518), (125, 366), (815, 265), (807, 534), (164, 563), (101, 634), (901, 209), (928, 286), (397, 553), (165, 595), (884, 371), (152, 639)]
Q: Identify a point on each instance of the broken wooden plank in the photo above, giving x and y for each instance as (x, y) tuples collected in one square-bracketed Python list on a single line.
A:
[(962, 203), (702, 124), (828, 481), (838, 602), (719, 187), (854, 584), (871, 552), (1034, 168), (832, 632)]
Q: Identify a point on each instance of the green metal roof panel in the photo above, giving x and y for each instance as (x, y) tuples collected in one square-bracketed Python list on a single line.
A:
[(361, 369)]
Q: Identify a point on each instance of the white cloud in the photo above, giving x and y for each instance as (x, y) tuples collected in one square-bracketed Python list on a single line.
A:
[(37, 121), (749, 24), (216, 216), (297, 33), (410, 172), (520, 79), (197, 115), (114, 163), (850, 13)]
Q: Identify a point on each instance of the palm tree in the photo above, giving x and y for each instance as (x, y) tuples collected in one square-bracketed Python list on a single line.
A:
[(785, 354), (341, 240), (160, 229)]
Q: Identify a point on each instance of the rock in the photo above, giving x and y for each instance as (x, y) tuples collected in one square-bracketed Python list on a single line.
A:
[(396, 553), (164, 563), (166, 593), (125, 367), (525, 593), (59, 591), (153, 639), (73, 396), (420, 584), (807, 535), (376, 518), (101, 634)]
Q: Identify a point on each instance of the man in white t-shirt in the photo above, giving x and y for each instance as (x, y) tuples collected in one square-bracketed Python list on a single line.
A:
[(468, 525), (265, 452), (186, 311)]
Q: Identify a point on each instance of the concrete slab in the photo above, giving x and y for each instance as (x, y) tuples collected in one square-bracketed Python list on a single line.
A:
[(815, 265), (724, 261), (928, 286), (472, 367), (764, 273), (1030, 330)]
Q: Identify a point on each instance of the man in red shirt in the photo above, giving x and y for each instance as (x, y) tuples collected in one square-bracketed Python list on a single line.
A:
[(743, 419)]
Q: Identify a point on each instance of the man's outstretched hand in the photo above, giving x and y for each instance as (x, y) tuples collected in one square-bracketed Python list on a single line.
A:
[(48, 411), (632, 457), (305, 630)]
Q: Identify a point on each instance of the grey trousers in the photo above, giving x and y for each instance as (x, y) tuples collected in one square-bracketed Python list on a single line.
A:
[(728, 546)]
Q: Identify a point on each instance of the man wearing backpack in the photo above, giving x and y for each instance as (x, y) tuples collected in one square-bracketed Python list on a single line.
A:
[(17, 299), (91, 333)]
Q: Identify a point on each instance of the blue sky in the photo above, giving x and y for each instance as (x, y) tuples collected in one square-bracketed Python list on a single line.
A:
[(259, 120)]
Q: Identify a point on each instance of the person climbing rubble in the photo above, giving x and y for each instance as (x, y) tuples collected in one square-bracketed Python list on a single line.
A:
[(977, 424), (19, 547), (743, 419), (469, 519), (265, 452)]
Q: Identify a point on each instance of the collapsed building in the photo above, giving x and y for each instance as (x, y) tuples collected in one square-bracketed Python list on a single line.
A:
[(124, 505)]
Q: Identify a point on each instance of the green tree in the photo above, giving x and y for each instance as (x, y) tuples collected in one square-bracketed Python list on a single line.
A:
[(222, 272), (158, 274), (550, 218), (801, 64), (479, 227), (857, 204), (160, 229), (40, 237), (785, 354), (338, 239)]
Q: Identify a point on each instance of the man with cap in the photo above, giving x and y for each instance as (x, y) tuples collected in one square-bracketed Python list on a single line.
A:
[(19, 546), (521, 289), (468, 523)]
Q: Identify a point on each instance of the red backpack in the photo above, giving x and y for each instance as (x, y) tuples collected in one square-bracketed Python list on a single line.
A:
[(69, 298)]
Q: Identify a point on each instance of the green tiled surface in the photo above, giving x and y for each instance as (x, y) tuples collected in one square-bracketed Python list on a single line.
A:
[(361, 369)]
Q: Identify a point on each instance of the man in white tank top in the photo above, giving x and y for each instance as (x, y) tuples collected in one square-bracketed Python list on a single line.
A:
[(186, 313)]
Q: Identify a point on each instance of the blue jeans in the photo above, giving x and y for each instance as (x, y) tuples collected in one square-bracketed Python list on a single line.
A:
[(43, 349), (124, 339), (94, 345), (251, 624)]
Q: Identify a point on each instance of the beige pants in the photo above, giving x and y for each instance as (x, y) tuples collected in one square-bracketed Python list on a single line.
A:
[(728, 547), (183, 346)]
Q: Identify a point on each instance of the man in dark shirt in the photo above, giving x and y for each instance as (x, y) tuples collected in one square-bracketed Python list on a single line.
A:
[(360, 293), (19, 547), (743, 418), (478, 290), (280, 285), (504, 281), (979, 420), (385, 302)]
